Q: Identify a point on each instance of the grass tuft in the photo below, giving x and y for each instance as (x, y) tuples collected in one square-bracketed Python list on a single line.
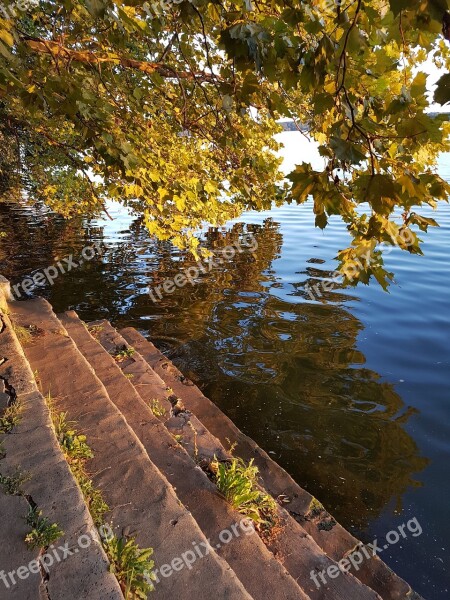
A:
[(95, 330), (124, 352), (23, 334), (72, 444), (10, 418), (157, 408), (238, 483), (43, 533), (132, 566)]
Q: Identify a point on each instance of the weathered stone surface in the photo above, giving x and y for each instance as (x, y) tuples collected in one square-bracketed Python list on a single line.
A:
[(262, 575), (336, 542), (33, 448), (200, 444), (142, 501)]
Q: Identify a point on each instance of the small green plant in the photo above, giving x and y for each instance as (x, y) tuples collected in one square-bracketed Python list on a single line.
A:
[(12, 484), (178, 438), (194, 431), (10, 418), (43, 533), (238, 482), (95, 330), (73, 444), (231, 446), (123, 353), (93, 496), (129, 375), (131, 565), (157, 408), (37, 379)]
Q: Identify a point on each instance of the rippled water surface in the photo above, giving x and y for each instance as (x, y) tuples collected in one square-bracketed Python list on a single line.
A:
[(350, 394)]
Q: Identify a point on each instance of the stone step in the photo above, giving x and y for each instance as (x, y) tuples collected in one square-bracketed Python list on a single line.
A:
[(31, 448), (330, 536), (291, 545), (143, 503), (261, 574)]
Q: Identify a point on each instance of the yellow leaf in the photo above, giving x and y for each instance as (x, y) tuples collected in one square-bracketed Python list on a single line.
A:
[(6, 37)]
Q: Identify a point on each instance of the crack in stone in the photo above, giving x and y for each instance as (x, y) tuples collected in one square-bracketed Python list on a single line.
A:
[(8, 389)]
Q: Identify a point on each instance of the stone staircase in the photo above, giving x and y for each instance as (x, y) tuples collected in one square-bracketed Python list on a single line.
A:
[(153, 435)]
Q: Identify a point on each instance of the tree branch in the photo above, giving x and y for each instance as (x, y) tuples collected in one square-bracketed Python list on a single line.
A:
[(56, 51)]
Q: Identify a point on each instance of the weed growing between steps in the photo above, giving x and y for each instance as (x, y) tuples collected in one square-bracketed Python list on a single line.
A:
[(196, 453), (157, 408), (23, 334), (130, 564), (10, 418), (43, 532), (123, 352), (238, 483), (94, 330), (12, 484)]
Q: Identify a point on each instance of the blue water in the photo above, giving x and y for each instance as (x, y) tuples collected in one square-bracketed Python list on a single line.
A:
[(350, 394)]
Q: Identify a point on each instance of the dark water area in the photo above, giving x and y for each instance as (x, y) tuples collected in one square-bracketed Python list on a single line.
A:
[(349, 393)]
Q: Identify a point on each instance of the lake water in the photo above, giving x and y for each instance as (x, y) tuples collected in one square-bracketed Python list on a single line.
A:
[(350, 394)]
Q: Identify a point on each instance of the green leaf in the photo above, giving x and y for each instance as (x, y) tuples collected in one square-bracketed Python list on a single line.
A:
[(321, 220), (442, 91), (96, 7), (422, 222), (347, 151)]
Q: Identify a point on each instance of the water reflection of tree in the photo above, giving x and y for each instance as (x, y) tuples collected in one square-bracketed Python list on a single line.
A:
[(34, 238), (291, 375), (286, 370)]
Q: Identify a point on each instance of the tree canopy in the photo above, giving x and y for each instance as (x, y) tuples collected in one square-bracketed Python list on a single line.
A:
[(170, 107)]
